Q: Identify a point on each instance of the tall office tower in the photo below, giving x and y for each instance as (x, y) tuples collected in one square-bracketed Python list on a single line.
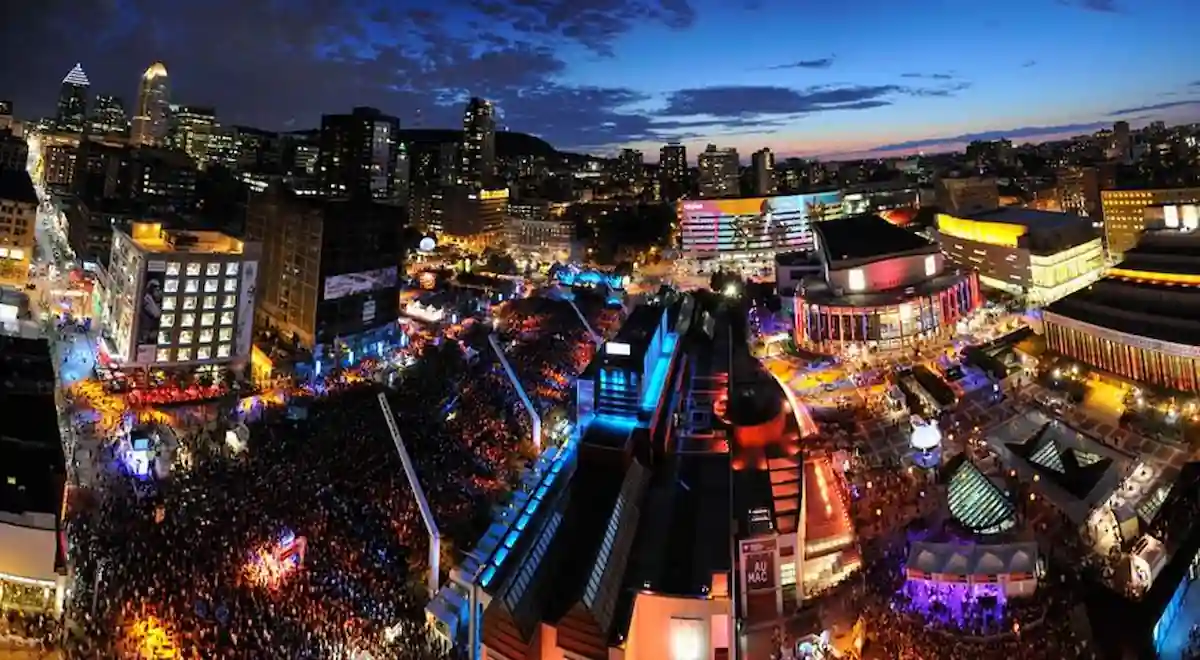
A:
[(107, 115), (479, 145), (72, 101), (447, 163), (629, 166), (1122, 147), (153, 107), (718, 172), (672, 171), (358, 155), (192, 128), (401, 178), (764, 172)]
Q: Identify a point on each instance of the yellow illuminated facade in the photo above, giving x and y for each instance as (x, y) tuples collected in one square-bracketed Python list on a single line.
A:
[(1125, 213), (1181, 279), (991, 233), (151, 237), (493, 194)]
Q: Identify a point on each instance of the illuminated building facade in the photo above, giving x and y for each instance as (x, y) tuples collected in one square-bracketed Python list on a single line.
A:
[(180, 298), (1174, 217), (150, 119), (1039, 255), (357, 155), (968, 194), (18, 220), (477, 167), (1125, 213), (673, 171), (474, 218), (192, 128), (536, 230), (108, 116), (881, 287), (719, 170), (1078, 190), (72, 101), (58, 166), (1140, 321)]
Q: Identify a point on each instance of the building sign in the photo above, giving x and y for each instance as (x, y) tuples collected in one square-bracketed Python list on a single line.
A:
[(149, 311), (340, 286), (246, 307), (1118, 337), (758, 564)]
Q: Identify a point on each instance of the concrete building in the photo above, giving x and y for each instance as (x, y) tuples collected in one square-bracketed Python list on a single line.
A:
[(58, 166), (152, 116), (358, 155), (180, 299), (72, 101), (1040, 255), (108, 116), (1125, 213), (18, 218), (191, 131), (719, 169), (967, 195), (1078, 189), (763, 164), (629, 166), (473, 218), (14, 151), (536, 231), (478, 158), (673, 171)]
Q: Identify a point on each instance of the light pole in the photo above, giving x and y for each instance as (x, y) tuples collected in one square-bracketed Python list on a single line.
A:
[(534, 418), (435, 545)]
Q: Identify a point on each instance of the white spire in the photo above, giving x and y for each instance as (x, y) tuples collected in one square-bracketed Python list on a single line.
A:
[(77, 77)]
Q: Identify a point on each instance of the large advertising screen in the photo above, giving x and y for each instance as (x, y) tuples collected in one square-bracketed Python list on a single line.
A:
[(754, 224), (340, 286), (150, 309)]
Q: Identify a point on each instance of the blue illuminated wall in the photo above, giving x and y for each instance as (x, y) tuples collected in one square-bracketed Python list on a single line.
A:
[(619, 392), (622, 390)]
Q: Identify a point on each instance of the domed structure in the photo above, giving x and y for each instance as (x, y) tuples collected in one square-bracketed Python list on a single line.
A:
[(150, 121)]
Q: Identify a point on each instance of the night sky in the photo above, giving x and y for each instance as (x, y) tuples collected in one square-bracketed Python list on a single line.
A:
[(804, 77)]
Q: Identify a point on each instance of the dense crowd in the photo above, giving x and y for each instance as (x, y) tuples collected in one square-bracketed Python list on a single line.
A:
[(169, 559)]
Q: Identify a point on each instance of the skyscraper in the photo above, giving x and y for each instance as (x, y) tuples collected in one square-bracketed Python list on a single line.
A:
[(718, 172), (107, 115), (672, 170), (153, 105), (72, 101), (764, 172), (192, 128), (358, 155), (479, 145), (629, 166)]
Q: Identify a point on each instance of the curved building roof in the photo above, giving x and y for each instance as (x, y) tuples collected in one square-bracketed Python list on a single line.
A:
[(156, 70)]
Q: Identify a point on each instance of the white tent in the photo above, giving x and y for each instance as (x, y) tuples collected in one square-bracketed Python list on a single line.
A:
[(1012, 564)]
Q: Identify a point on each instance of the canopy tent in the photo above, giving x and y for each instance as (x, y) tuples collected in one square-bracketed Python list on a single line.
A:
[(1012, 563), (28, 553)]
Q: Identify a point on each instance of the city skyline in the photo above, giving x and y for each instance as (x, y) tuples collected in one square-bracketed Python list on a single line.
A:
[(869, 79)]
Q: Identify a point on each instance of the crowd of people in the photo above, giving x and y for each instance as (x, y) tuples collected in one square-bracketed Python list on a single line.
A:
[(167, 560)]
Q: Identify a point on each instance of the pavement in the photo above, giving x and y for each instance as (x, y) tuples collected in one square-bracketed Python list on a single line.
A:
[(76, 357)]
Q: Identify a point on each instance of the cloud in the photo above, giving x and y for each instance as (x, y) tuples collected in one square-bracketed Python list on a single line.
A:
[(1021, 134), (737, 101), (822, 63), (1028, 64), (1101, 6), (1194, 84), (1153, 107), (929, 76)]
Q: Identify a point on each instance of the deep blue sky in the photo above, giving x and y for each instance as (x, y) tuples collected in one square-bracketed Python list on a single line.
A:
[(804, 77)]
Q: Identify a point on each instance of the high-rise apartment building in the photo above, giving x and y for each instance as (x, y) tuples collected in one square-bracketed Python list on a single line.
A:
[(447, 163), (107, 116), (181, 298), (474, 218), (18, 215), (478, 165), (358, 155), (1125, 213), (330, 272), (72, 101), (673, 171), (1122, 145), (151, 117), (629, 166), (718, 172), (192, 128), (763, 163)]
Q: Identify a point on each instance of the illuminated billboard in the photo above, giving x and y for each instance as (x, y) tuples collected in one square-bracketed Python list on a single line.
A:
[(340, 286), (753, 225)]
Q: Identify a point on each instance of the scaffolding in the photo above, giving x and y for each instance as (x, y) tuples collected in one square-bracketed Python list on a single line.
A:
[(435, 538)]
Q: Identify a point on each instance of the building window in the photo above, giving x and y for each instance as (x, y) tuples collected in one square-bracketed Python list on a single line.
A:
[(231, 268), (231, 285), (211, 286), (206, 319), (210, 302), (188, 320), (930, 266), (192, 286), (185, 336), (206, 335), (183, 355), (167, 321), (226, 318), (204, 353), (193, 269), (171, 286), (225, 334), (213, 269), (173, 268), (163, 337), (168, 303), (858, 280), (228, 302), (223, 351), (189, 302)]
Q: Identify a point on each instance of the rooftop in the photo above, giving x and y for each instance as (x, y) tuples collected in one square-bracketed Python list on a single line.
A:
[(31, 454), (16, 186), (1145, 309), (151, 237), (818, 292), (866, 237), (975, 501), (1028, 218)]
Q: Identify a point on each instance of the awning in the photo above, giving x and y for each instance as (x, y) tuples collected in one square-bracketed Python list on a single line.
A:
[(27, 553)]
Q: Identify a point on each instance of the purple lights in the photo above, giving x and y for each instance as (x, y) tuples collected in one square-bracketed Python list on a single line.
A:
[(967, 606)]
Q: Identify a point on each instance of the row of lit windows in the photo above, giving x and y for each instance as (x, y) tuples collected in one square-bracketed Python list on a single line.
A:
[(193, 286), (228, 301), (188, 320), (189, 354), (205, 336), (211, 269)]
